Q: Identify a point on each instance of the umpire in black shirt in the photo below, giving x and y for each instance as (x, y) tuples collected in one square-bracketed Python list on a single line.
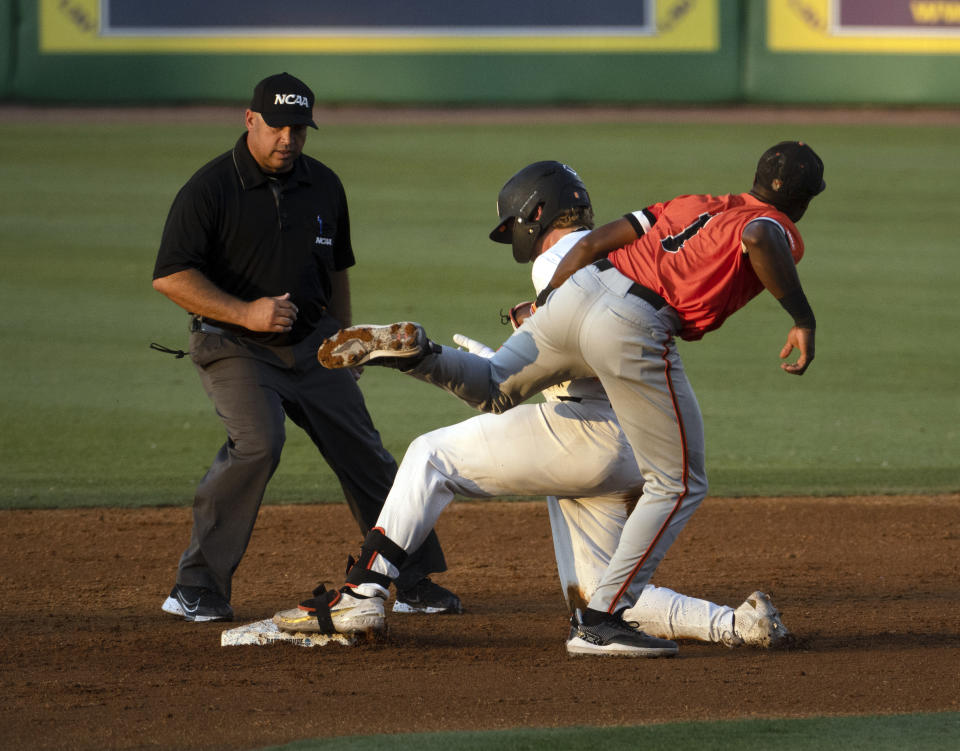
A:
[(256, 248)]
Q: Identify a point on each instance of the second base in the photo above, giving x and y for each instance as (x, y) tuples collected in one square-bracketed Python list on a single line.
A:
[(264, 633)]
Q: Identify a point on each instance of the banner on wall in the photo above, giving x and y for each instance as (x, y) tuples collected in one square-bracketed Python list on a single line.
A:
[(865, 26), (499, 17), (377, 26)]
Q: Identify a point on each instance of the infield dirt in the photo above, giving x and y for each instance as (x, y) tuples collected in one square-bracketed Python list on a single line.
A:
[(870, 586)]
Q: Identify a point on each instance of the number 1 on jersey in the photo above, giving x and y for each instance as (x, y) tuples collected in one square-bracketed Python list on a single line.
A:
[(674, 243)]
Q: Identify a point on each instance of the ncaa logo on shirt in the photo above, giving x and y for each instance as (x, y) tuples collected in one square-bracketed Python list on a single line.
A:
[(318, 240)]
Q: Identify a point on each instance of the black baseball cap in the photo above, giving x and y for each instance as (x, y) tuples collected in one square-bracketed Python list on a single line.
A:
[(283, 100), (791, 170)]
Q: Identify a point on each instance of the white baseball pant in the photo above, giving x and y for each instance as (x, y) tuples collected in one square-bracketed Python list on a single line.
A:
[(580, 450), (593, 326)]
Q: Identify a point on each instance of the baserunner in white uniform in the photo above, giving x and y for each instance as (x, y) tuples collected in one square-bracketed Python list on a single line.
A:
[(571, 447)]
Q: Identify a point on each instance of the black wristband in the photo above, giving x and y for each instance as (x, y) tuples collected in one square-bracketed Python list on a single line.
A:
[(544, 294), (795, 303)]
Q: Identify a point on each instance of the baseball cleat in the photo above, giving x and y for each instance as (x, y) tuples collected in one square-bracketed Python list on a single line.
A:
[(758, 622), (394, 345), (615, 637), (197, 604), (427, 597), (343, 611)]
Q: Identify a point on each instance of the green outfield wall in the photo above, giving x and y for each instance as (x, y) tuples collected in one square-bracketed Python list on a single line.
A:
[(904, 52), (436, 52), (8, 24)]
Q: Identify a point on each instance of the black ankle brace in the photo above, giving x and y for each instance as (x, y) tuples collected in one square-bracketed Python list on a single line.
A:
[(376, 543), (319, 605)]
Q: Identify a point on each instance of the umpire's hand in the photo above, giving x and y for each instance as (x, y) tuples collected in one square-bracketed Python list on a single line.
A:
[(271, 314)]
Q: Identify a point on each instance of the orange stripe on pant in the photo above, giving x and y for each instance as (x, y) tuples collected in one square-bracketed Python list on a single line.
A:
[(683, 447)]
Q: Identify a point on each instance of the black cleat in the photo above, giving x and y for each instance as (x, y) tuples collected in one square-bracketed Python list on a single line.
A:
[(197, 604), (611, 635), (427, 597)]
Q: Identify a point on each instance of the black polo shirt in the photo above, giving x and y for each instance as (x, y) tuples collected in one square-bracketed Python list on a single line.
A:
[(256, 236)]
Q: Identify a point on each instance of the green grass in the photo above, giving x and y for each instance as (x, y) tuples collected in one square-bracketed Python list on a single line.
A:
[(91, 416), (930, 732)]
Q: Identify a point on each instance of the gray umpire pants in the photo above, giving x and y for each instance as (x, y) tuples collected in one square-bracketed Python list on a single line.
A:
[(594, 326), (253, 388)]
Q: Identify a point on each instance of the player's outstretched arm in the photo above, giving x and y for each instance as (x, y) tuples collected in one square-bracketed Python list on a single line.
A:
[(769, 254), (588, 249)]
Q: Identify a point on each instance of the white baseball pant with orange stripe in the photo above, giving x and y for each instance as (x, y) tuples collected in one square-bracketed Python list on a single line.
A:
[(593, 326), (586, 528), (580, 449)]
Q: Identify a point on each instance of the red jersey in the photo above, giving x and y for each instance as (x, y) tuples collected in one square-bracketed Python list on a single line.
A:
[(692, 256)]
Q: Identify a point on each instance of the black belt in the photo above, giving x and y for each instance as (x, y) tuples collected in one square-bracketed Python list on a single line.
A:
[(636, 289), (569, 398), (197, 324)]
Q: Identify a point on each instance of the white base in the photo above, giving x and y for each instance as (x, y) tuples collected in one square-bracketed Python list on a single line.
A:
[(402, 607), (264, 633)]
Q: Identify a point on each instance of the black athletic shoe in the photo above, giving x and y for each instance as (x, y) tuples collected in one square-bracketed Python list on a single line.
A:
[(427, 597), (197, 604), (611, 635)]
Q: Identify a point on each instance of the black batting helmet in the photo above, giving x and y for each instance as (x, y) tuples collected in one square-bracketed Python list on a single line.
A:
[(531, 200)]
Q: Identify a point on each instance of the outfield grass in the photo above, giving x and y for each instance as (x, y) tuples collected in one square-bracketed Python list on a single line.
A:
[(928, 732), (92, 416)]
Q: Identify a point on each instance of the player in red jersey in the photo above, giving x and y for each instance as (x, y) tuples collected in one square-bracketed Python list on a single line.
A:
[(691, 254), (611, 311), (707, 256)]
